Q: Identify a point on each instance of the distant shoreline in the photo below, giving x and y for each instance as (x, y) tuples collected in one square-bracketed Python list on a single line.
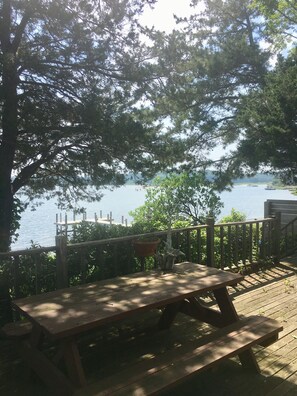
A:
[(291, 188)]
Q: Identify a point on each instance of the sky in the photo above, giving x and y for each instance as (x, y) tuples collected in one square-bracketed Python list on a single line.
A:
[(162, 15)]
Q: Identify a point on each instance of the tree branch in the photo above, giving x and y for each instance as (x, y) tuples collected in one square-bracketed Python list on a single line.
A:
[(29, 170), (21, 29), (5, 26)]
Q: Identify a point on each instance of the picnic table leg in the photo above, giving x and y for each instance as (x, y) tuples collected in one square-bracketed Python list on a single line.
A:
[(36, 336), (73, 362), (247, 358), (226, 306), (194, 308), (36, 340), (38, 362), (248, 361), (168, 315)]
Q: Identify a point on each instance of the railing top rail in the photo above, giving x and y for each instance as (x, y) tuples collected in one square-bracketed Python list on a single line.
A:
[(266, 219), (123, 239), (39, 250), (23, 252), (132, 237)]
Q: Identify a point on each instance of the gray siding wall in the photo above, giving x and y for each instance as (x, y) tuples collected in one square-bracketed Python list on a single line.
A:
[(287, 208)]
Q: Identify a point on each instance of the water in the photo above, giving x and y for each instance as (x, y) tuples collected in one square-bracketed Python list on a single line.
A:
[(38, 226)]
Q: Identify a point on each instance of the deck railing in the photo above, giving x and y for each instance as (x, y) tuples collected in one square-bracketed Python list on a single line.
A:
[(236, 245), (223, 245), (289, 238)]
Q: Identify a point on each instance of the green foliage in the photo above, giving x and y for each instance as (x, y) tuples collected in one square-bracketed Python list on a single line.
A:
[(212, 65), (178, 200), (105, 260), (18, 209), (234, 216), (267, 118), (288, 241), (31, 274), (197, 197), (112, 259), (209, 64), (92, 232), (280, 20), (72, 73)]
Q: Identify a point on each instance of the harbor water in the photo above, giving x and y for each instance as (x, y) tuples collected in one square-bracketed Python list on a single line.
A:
[(39, 227)]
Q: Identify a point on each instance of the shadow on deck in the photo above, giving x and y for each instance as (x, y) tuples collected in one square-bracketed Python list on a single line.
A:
[(271, 292)]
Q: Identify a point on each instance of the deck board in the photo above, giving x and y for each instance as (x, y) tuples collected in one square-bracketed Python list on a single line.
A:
[(272, 292)]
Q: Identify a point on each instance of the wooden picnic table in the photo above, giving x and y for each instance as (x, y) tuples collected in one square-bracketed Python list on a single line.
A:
[(62, 316)]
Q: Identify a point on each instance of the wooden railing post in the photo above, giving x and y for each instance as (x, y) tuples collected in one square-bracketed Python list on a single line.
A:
[(267, 209), (62, 270), (276, 237), (5, 302), (210, 262)]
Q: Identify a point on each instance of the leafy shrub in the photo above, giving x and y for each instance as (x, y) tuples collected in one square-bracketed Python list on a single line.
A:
[(104, 260), (234, 216)]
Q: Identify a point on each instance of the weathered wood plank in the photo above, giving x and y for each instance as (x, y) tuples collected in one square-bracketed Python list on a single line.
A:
[(175, 366), (17, 330), (54, 378), (88, 306)]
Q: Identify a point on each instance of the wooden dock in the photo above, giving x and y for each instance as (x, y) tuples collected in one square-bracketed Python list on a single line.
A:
[(64, 225), (271, 292)]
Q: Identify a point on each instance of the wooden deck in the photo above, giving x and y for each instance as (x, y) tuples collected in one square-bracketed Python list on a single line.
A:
[(271, 292)]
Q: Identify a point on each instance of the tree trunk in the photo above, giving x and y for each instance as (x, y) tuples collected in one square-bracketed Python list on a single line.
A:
[(9, 128), (6, 216)]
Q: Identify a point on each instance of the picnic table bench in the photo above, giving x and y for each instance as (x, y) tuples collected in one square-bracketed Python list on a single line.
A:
[(64, 315)]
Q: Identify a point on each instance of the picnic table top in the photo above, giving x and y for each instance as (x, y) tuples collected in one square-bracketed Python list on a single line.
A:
[(73, 310)]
